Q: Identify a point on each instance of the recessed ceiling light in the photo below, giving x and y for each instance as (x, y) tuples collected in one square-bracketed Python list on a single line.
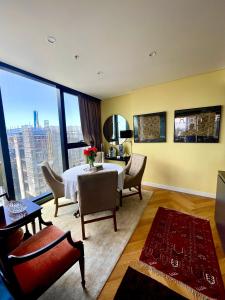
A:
[(100, 74), (153, 53), (51, 39)]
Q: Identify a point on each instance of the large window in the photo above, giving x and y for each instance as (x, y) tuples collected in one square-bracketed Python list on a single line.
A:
[(73, 126), (32, 126), (2, 174), (39, 120), (76, 157), (73, 130)]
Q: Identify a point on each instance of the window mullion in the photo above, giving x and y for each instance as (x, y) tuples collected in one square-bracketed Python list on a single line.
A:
[(62, 128), (5, 153)]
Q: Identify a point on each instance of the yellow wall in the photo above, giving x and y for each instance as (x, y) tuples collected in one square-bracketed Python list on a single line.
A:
[(189, 166)]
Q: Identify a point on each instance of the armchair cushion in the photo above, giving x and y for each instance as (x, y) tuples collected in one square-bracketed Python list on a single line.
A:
[(40, 272), (128, 181)]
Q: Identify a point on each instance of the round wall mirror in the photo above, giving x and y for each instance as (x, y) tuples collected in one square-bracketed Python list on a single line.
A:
[(112, 127)]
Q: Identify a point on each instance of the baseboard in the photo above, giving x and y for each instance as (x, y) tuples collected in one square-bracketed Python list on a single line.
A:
[(179, 189)]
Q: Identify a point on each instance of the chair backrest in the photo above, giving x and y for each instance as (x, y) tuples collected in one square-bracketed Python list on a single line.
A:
[(136, 165), (97, 191), (5, 234), (100, 157), (53, 182)]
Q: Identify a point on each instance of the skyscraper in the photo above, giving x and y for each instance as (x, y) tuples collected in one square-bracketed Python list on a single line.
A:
[(36, 121), (30, 145)]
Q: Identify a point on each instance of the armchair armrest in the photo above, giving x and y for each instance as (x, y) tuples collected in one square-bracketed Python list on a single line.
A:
[(20, 259), (6, 231), (127, 167), (58, 189)]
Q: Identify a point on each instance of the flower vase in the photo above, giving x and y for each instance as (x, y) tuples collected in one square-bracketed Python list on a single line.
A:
[(91, 163)]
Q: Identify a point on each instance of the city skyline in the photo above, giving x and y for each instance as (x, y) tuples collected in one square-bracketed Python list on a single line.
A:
[(29, 142), (29, 146)]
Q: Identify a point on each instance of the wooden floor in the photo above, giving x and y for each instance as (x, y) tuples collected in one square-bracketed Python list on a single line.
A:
[(194, 205)]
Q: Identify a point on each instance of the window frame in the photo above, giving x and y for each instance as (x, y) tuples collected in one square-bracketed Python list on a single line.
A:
[(65, 146), (62, 124)]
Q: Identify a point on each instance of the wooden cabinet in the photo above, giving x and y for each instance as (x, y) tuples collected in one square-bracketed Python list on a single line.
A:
[(220, 207)]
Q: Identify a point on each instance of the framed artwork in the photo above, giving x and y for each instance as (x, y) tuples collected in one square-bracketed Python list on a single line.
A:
[(150, 128), (197, 125)]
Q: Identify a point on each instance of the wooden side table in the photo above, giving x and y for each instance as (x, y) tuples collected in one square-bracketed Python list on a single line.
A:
[(32, 212), (122, 159)]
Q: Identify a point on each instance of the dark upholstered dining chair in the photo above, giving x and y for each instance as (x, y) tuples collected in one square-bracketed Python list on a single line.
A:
[(134, 171), (55, 183), (97, 192), (31, 268)]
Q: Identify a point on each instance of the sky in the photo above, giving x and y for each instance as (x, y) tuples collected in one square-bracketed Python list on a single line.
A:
[(21, 96)]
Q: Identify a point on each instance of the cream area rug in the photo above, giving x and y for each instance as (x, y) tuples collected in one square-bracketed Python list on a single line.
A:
[(102, 248)]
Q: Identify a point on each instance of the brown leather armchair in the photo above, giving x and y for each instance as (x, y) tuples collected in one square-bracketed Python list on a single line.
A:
[(55, 183), (97, 192), (134, 171)]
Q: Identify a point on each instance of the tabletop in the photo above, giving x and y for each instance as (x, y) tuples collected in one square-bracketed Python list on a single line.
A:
[(70, 177), (8, 219)]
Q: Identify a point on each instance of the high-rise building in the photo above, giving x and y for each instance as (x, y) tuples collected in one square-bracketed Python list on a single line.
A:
[(35, 151), (36, 121), (46, 123), (16, 152), (31, 145)]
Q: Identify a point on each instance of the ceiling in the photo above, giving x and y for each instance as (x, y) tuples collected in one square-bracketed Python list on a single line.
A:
[(114, 37)]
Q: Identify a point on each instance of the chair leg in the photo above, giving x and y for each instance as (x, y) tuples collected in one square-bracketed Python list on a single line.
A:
[(114, 220), (33, 226), (121, 204), (139, 190), (81, 263), (27, 233), (56, 206), (82, 227)]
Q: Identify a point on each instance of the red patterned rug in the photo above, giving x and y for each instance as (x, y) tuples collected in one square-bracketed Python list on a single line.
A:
[(181, 247)]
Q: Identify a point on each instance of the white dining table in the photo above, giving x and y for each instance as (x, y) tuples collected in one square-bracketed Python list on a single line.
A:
[(70, 177)]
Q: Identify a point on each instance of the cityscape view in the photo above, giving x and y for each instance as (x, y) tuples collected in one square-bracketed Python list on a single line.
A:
[(29, 146), (33, 132)]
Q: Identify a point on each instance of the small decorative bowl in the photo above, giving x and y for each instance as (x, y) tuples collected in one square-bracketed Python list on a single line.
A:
[(16, 207)]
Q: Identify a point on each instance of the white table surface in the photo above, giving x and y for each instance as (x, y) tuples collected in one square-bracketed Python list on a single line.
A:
[(70, 177)]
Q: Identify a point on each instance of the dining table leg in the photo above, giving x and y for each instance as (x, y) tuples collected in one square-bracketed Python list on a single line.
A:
[(77, 213)]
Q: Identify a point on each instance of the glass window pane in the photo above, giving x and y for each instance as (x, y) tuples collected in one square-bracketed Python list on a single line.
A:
[(73, 125), (2, 178), (76, 157), (32, 124)]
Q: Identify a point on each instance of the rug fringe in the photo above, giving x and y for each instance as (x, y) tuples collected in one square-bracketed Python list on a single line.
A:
[(195, 293)]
